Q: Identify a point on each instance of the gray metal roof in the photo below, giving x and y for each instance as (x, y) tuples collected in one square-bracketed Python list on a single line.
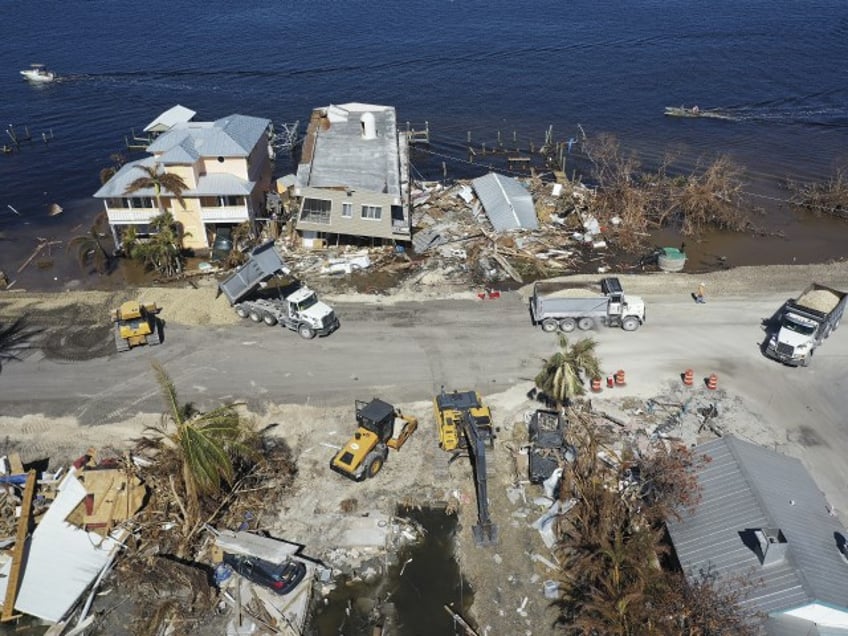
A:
[(174, 115), (344, 157), (207, 185), (506, 202), (233, 136), (746, 487)]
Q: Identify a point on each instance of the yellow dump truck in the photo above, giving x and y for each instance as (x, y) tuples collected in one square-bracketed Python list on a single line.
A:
[(136, 324), (380, 426)]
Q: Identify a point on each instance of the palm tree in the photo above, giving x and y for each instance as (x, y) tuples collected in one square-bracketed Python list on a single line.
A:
[(14, 336), (89, 247), (159, 182), (563, 374), (206, 445)]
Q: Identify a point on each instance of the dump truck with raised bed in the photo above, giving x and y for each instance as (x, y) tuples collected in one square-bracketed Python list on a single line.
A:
[(804, 322), (569, 307), (136, 324), (380, 426), (293, 305)]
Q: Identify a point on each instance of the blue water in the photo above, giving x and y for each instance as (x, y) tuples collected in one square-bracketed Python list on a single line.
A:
[(465, 66)]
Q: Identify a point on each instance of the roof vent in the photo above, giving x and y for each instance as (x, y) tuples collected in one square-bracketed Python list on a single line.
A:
[(369, 126), (772, 545)]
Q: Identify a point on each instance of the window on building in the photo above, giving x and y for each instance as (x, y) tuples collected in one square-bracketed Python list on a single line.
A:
[(140, 203), (374, 212), (222, 201), (347, 210), (316, 211)]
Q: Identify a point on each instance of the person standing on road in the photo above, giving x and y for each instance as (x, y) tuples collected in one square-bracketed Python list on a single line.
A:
[(699, 294)]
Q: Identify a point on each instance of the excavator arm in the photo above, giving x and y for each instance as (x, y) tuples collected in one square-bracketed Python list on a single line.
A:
[(485, 532)]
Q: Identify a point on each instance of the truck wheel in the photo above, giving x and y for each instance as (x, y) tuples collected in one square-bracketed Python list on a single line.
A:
[(584, 324), (269, 319), (806, 361), (549, 325), (255, 316), (241, 312), (373, 463), (630, 323), (567, 324), (306, 332)]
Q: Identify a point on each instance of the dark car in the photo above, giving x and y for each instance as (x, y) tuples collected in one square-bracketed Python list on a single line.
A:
[(280, 577)]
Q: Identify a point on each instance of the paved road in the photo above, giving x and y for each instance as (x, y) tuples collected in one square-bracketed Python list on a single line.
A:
[(405, 352)]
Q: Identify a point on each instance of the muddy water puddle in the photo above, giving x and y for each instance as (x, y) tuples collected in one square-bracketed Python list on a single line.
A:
[(410, 599)]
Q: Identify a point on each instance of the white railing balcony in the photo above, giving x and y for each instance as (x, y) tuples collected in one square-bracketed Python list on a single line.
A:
[(227, 214), (131, 215)]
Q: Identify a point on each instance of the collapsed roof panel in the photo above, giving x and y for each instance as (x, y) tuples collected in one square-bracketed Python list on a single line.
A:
[(506, 202)]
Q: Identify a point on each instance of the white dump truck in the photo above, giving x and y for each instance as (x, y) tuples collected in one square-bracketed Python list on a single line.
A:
[(804, 322), (293, 306), (566, 307)]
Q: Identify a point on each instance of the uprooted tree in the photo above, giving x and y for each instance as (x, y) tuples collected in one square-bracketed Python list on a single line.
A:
[(617, 573), (822, 198), (201, 468), (707, 196)]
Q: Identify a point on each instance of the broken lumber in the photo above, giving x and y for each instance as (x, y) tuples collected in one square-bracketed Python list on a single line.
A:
[(18, 551), (461, 622)]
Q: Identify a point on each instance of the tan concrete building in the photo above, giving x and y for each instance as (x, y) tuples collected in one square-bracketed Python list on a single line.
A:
[(353, 177)]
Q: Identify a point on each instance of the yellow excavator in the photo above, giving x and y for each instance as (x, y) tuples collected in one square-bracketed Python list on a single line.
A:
[(449, 409), (465, 429), (136, 324), (380, 426)]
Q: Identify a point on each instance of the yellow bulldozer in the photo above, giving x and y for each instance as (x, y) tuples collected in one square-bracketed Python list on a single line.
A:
[(136, 324), (380, 426)]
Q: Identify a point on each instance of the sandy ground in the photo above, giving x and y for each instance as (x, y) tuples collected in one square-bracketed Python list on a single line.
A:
[(508, 578)]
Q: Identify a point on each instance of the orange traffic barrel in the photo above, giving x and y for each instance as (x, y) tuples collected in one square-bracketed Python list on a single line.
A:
[(610, 382), (688, 377), (619, 377), (596, 385), (712, 382)]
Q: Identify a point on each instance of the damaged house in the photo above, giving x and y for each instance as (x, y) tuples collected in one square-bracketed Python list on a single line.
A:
[(353, 178)]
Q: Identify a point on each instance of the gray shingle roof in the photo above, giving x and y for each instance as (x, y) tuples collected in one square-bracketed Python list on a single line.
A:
[(747, 487), (506, 202)]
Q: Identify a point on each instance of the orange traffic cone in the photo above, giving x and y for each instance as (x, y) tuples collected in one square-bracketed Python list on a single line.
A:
[(688, 377), (712, 382), (619, 377), (596, 385)]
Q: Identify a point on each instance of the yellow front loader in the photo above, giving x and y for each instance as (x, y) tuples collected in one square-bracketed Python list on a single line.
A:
[(380, 426)]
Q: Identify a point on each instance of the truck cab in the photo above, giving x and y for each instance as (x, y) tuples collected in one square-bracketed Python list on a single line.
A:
[(620, 306), (305, 308)]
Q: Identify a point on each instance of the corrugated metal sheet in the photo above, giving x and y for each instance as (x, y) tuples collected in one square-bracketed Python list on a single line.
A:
[(747, 487), (506, 202)]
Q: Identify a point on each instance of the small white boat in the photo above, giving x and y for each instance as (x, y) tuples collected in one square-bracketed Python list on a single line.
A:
[(38, 73), (694, 111)]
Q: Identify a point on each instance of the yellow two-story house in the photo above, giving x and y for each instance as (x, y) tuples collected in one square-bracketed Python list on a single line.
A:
[(225, 164)]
